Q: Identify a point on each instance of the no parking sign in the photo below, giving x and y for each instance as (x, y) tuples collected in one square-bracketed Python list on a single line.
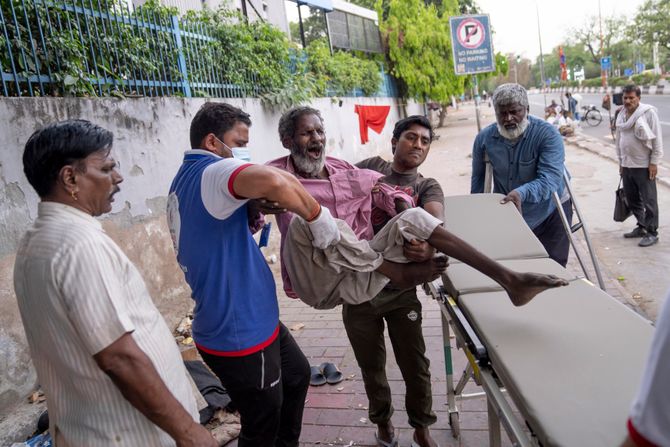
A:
[(471, 44)]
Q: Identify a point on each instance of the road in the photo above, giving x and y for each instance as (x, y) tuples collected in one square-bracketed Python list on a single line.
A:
[(661, 102)]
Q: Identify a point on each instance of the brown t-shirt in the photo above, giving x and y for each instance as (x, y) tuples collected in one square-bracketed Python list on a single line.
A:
[(420, 188)]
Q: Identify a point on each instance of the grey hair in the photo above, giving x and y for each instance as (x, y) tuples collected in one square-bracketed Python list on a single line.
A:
[(508, 94), (288, 120)]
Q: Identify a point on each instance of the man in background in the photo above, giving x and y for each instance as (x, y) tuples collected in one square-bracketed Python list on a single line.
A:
[(639, 146)]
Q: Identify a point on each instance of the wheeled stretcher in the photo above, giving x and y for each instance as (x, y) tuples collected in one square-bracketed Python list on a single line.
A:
[(570, 361)]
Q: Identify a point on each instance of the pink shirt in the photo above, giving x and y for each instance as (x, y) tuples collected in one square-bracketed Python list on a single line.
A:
[(347, 193)]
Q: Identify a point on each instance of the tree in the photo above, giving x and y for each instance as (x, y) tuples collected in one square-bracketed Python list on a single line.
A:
[(419, 48), (468, 7), (613, 30), (651, 23), (314, 26)]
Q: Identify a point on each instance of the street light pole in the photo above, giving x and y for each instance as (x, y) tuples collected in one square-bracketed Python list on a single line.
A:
[(603, 71), (539, 37), (516, 69), (516, 72)]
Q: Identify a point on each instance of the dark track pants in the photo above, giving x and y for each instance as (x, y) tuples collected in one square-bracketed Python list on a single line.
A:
[(401, 310), (552, 235), (268, 388), (642, 198)]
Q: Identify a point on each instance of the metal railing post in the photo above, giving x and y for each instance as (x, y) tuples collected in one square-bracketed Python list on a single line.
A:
[(181, 60)]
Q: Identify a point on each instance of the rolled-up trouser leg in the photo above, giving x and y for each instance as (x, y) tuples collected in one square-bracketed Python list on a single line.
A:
[(345, 272)]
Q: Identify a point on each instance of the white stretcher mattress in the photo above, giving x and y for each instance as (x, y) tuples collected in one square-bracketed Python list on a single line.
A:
[(461, 278), (496, 230), (571, 359)]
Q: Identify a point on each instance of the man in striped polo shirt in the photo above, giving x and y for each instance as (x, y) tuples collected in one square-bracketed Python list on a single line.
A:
[(104, 356)]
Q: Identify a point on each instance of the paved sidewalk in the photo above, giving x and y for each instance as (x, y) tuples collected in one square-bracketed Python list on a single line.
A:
[(337, 414)]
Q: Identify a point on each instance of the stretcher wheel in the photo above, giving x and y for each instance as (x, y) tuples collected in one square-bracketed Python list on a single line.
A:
[(454, 424)]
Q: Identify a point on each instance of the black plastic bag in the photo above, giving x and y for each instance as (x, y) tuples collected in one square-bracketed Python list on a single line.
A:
[(621, 210)]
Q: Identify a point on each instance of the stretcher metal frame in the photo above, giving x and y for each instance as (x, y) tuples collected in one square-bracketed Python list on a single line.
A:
[(479, 369)]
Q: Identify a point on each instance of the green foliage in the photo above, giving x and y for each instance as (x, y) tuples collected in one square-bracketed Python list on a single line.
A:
[(298, 90), (645, 79), (626, 40), (254, 55), (593, 82), (651, 23), (90, 54), (588, 36), (86, 55), (419, 47), (314, 27), (342, 72), (468, 7)]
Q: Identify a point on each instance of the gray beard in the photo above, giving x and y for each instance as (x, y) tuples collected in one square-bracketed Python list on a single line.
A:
[(516, 133), (306, 165)]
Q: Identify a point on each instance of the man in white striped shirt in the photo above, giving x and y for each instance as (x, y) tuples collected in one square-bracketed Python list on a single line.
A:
[(104, 356)]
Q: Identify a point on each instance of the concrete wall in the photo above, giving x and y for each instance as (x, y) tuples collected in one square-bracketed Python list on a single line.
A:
[(150, 136)]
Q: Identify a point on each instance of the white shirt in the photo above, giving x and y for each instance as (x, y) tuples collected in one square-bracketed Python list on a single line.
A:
[(650, 415), (633, 152), (77, 294)]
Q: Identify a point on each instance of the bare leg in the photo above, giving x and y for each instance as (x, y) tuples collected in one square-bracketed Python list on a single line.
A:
[(413, 273), (386, 431), (521, 287), (423, 438)]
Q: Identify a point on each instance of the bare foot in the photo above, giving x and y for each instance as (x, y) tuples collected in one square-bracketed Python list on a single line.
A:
[(385, 432), (415, 273), (524, 286), (422, 437)]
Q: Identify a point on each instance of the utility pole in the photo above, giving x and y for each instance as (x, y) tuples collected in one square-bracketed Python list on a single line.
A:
[(539, 36), (516, 69), (302, 29), (603, 70)]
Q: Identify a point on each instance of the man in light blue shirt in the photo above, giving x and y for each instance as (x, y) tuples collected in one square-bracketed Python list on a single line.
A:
[(527, 157)]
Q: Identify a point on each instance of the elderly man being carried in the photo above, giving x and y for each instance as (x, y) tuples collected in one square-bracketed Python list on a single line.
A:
[(324, 276)]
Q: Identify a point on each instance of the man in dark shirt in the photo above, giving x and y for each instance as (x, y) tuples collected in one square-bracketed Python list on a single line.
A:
[(401, 309)]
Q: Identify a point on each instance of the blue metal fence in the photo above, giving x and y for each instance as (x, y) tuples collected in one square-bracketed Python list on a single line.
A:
[(102, 48)]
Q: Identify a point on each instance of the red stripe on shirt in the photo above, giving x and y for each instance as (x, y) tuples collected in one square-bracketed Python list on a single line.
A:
[(232, 179), (638, 439), (243, 352)]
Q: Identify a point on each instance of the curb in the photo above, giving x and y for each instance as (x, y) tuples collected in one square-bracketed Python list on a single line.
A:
[(607, 151), (646, 90)]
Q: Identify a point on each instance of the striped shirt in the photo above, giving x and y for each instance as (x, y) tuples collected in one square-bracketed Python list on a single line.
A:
[(77, 294)]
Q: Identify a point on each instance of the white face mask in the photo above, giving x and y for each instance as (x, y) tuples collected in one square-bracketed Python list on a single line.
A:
[(241, 153)]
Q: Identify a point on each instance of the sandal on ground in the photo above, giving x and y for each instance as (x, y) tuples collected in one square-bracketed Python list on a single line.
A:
[(392, 443), (332, 374), (415, 444), (316, 377)]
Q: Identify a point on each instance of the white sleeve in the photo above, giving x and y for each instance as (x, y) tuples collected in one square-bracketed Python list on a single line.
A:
[(650, 414), (216, 188)]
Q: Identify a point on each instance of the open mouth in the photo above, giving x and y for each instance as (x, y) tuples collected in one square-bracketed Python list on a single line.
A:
[(111, 196), (315, 152)]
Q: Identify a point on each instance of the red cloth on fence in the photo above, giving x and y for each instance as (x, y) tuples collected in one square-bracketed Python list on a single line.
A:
[(373, 117)]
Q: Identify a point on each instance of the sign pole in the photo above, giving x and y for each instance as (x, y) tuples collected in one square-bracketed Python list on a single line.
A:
[(476, 92), (473, 53)]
